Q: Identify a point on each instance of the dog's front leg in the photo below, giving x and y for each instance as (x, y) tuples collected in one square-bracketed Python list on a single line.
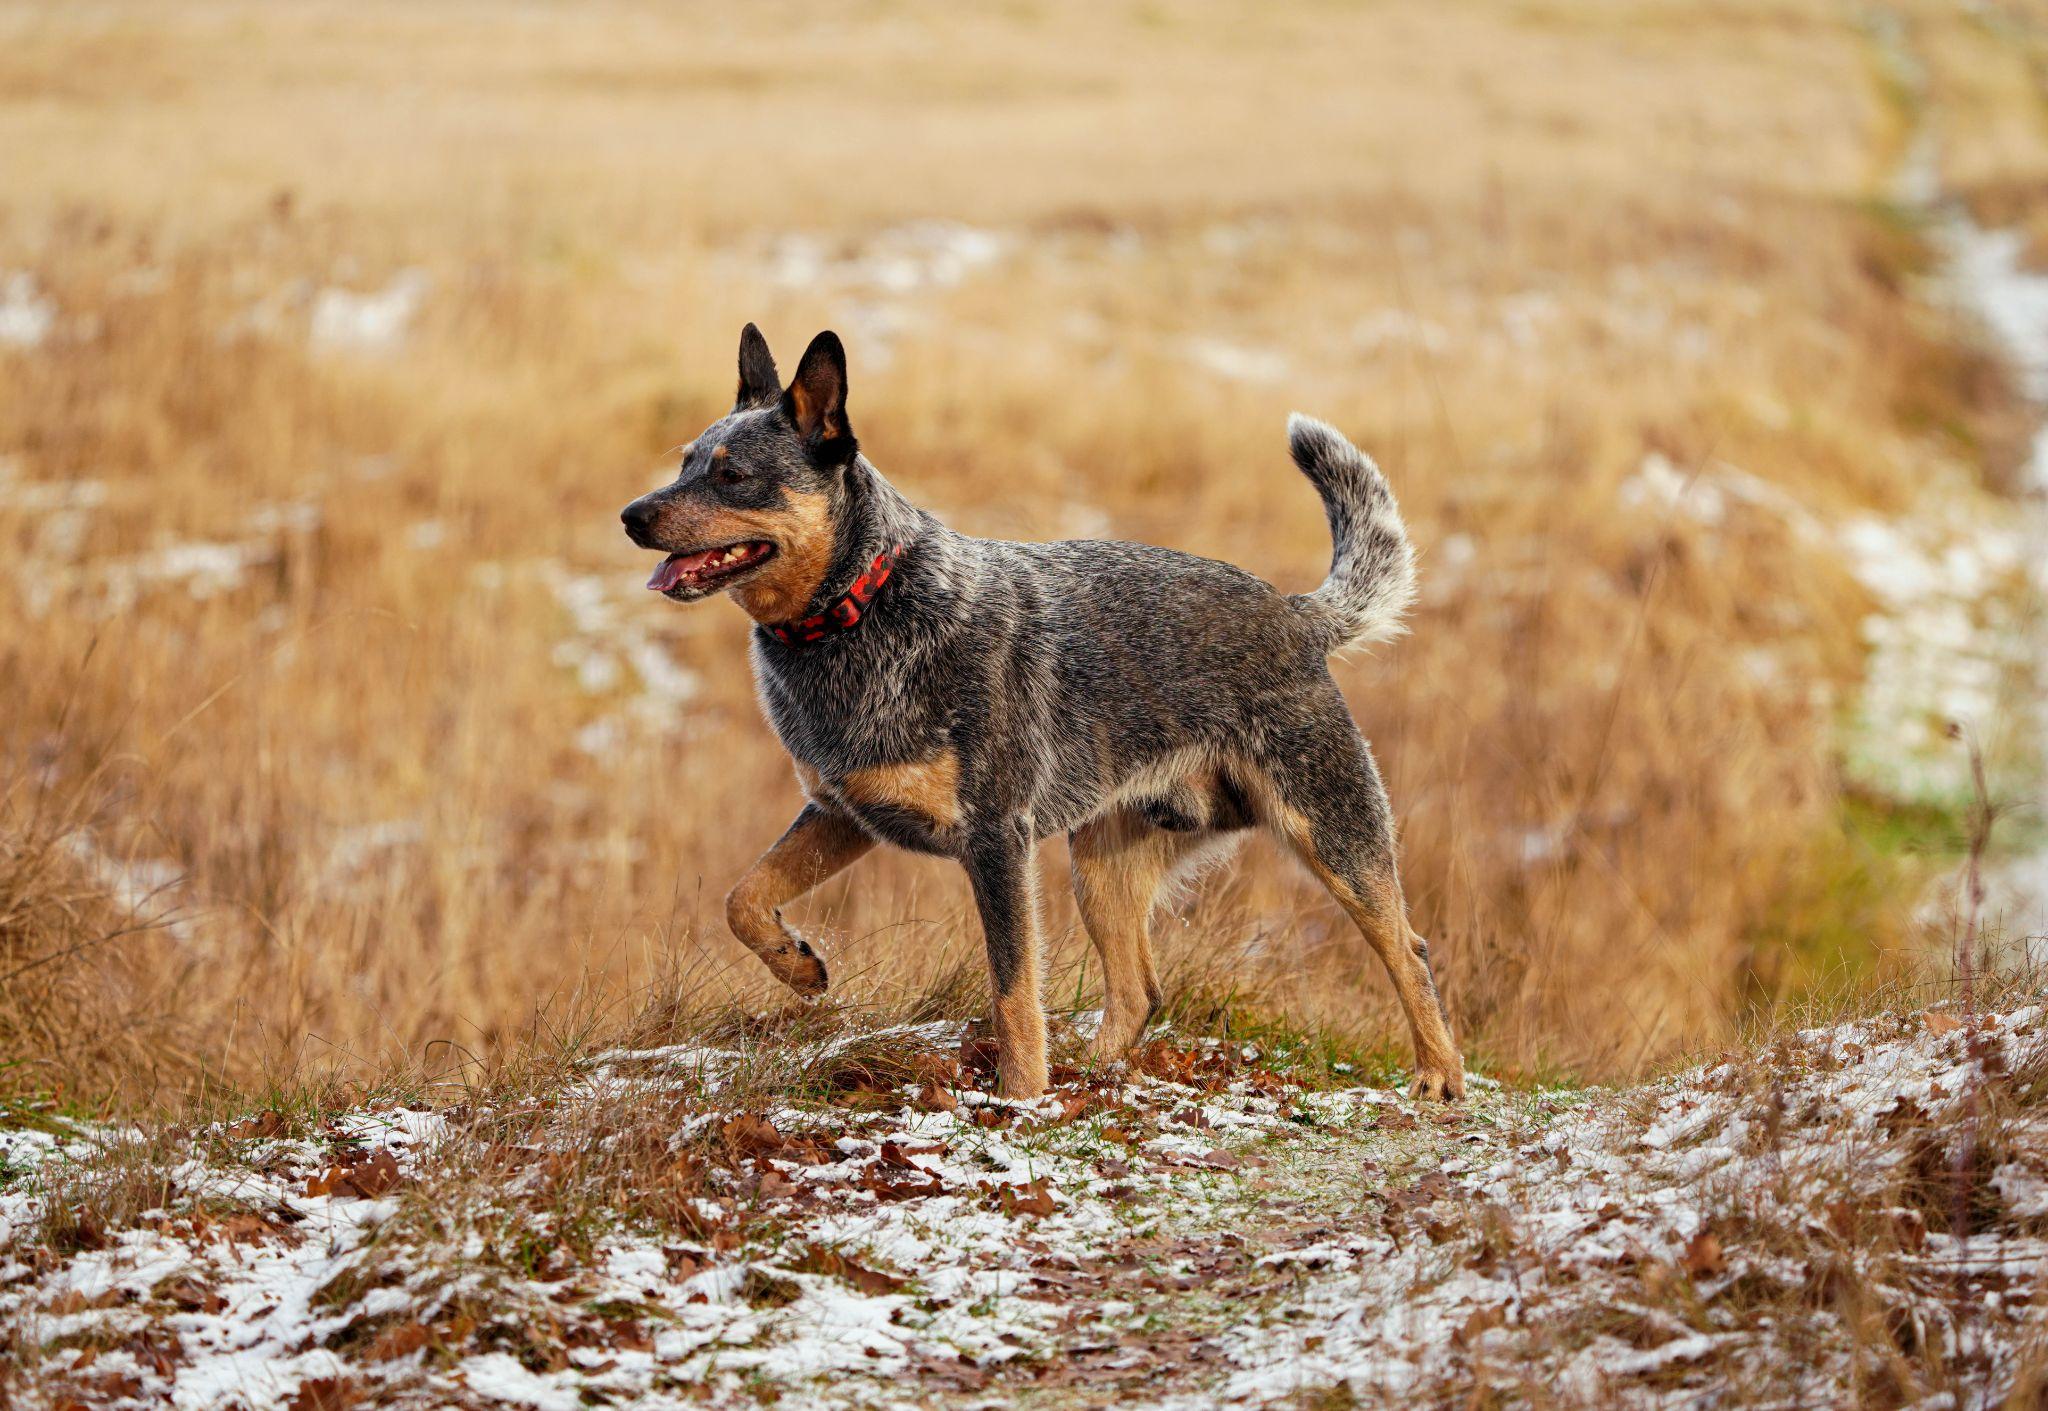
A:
[(998, 861), (820, 843)]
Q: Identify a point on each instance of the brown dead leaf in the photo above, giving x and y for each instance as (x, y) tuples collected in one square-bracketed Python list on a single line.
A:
[(75, 1301), (896, 1158), (978, 1055), (879, 1186), (1939, 1022), (751, 1134), (191, 1294), (1427, 1191), (327, 1182), (376, 1175), (398, 1340), (372, 1176), (933, 1098), (867, 1100), (326, 1393), (263, 1124), (159, 1352), (1033, 1199), (819, 1260), (246, 1227), (1704, 1257), (1481, 1320)]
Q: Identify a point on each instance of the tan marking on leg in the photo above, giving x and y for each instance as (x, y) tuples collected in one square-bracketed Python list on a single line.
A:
[(1381, 915), (1120, 862), (929, 788), (817, 845), (803, 537), (1020, 1026), (1377, 908), (807, 779)]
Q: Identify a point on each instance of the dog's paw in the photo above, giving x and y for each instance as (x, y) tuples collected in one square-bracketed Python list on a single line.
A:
[(801, 968), (1438, 1084)]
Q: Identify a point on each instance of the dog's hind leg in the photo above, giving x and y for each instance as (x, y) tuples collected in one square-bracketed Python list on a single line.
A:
[(1327, 803), (998, 862), (1121, 862), (817, 845)]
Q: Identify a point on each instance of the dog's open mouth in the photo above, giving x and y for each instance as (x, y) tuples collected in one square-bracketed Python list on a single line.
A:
[(702, 570)]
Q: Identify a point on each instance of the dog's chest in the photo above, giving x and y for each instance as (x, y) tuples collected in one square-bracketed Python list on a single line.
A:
[(862, 749)]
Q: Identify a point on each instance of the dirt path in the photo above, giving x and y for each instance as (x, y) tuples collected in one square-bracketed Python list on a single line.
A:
[(858, 1224)]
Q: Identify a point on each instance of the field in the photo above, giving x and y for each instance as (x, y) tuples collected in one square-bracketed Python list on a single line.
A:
[(343, 759)]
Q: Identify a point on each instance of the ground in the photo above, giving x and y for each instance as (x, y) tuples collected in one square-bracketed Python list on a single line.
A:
[(1844, 1214)]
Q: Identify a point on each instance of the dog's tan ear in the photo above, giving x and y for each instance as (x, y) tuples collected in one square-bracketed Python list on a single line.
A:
[(759, 382), (816, 399)]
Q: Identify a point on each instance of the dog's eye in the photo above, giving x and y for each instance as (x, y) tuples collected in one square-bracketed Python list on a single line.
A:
[(728, 474)]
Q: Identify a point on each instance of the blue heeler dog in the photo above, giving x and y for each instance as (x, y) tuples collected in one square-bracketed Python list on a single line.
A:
[(968, 697)]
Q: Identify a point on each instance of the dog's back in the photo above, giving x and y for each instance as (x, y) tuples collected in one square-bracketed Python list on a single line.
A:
[(1121, 661)]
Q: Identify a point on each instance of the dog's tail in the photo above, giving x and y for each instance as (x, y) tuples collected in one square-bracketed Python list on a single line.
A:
[(1372, 567)]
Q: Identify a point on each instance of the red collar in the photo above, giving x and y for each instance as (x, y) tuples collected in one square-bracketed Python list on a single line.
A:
[(843, 612)]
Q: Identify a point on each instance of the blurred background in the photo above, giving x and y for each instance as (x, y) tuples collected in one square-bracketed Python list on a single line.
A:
[(336, 730)]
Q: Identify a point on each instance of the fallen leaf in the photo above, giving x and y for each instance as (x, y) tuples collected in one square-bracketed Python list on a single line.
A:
[(76, 1301), (377, 1175), (398, 1340), (189, 1293), (372, 1176), (751, 1134), (1033, 1199), (933, 1098), (1481, 1320), (1704, 1257), (327, 1182), (1427, 1191), (978, 1055), (1939, 1023), (263, 1124), (819, 1260)]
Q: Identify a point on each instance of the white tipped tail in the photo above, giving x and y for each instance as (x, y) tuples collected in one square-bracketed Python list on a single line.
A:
[(1372, 564)]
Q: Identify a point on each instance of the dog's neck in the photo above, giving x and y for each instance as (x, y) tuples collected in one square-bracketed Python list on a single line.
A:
[(876, 517)]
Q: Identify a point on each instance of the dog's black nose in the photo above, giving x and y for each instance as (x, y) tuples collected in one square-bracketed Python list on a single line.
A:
[(638, 518)]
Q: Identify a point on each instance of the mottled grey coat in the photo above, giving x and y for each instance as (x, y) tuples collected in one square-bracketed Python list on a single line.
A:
[(1149, 703)]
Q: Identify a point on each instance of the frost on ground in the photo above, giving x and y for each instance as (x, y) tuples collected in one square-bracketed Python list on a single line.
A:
[(1850, 1215)]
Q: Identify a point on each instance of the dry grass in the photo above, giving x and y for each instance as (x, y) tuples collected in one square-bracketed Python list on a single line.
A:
[(401, 755)]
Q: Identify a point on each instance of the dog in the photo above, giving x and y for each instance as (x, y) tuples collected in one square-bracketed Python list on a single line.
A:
[(969, 697)]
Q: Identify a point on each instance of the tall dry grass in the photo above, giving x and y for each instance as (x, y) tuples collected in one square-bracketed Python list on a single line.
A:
[(397, 722)]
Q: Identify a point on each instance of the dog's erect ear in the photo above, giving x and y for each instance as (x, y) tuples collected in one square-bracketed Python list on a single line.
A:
[(759, 383), (816, 400)]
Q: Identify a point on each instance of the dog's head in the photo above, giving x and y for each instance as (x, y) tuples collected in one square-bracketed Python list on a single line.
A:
[(754, 506)]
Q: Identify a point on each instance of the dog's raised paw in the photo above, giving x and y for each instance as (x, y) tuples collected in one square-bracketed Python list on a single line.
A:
[(802, 969)]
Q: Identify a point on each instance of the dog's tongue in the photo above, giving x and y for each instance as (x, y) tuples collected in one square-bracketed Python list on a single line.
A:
[(674, 567)]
